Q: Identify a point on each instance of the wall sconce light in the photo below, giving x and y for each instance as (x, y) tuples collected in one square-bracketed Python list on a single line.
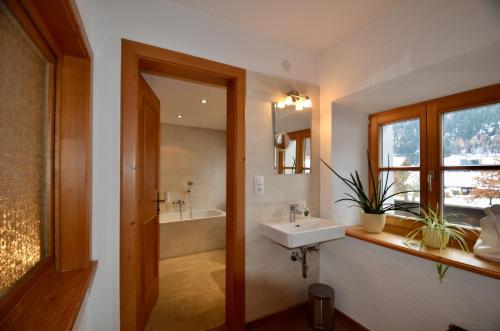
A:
[(293, 98)]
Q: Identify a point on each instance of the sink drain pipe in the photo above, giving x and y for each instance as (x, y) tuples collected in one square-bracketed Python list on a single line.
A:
[(300, 255)]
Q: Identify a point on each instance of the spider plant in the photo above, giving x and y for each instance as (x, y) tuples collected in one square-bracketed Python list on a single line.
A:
[(442, 269), (378, 201), (435, 224)]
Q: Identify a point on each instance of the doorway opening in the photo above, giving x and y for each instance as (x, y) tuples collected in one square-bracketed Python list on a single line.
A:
[(192, 203), (149, 207)]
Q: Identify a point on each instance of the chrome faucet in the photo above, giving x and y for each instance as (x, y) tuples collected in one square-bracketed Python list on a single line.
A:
[(180, 203), (294, 210)]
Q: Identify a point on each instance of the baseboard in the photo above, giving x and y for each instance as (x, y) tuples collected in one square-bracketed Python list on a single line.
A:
[(340, 318)]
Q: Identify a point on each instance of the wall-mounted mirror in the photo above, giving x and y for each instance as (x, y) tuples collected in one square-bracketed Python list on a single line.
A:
[(292, 140)]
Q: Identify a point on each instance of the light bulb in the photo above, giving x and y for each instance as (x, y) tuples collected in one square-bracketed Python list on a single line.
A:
[(299, 105), (280, 104), (288, 100), (307, 103)]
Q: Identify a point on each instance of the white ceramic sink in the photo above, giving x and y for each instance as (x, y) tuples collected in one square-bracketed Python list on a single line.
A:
[(304, 231)]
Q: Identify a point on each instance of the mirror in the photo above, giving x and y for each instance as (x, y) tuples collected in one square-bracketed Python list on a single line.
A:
[(281, 141), (292, 140)]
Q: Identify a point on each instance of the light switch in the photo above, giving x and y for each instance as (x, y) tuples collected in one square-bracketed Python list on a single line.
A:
[(258, 185)]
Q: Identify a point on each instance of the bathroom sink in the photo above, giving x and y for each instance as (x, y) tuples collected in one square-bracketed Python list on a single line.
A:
[(304, 231)]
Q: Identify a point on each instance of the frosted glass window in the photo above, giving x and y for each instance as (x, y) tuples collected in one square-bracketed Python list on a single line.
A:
[(26, 127)]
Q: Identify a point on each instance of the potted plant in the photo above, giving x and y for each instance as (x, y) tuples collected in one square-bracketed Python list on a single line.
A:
[(435, 232), (373, 206)]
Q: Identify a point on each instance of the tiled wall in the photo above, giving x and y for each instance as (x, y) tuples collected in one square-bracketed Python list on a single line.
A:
[(273, 281), (197, 155)]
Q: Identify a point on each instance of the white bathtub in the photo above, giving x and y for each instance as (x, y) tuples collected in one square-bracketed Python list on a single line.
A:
[(186, 215), (205, 231)]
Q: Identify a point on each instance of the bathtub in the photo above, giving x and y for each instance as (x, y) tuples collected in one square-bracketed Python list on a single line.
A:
[(205, 231), (169, 217)]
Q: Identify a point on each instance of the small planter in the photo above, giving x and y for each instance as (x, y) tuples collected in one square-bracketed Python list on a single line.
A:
[(431, 238), (373, 223)]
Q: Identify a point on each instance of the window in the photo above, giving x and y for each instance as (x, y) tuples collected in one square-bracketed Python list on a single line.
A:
[(45, 164), (470, 141), (399, 159), (26, 151), (447, 150)]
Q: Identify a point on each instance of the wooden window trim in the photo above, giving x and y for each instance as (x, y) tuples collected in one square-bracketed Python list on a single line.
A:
[(55, 28), (430, 113), (299, 136), (417, 111), (435, 109)]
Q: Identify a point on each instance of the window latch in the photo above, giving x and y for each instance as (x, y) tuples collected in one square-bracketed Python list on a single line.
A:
[(430, 178)]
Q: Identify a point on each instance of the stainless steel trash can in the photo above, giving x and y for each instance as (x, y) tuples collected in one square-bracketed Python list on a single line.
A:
[(321, 307)]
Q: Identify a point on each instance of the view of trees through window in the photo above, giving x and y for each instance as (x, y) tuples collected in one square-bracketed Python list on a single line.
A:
[(400, 148), (469, 137), (472, 137)]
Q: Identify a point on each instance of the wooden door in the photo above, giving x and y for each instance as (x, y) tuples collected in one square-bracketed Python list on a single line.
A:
[(149, 120)]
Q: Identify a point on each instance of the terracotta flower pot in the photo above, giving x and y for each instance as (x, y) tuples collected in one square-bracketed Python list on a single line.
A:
[(431, 238), (373, 223)]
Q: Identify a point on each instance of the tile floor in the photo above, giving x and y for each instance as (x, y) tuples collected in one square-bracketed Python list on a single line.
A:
[(191, 294)]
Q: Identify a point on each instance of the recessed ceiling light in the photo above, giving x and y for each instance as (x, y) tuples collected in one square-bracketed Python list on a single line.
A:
[(203, 100), (179, 116)]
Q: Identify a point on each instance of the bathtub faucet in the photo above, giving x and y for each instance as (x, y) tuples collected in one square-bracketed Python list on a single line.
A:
[(180, 203)]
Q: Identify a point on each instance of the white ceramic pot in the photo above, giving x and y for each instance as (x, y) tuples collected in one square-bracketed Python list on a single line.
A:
[(373, 223), (431, 238)]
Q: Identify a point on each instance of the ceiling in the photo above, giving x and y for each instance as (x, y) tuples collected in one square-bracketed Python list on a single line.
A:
[(313, 25), (179, 97), (474, 69)]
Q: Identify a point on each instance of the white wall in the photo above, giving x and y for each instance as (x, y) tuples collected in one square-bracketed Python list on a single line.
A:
[(409, 37), (386, 290), (383, 289), (273, 281), (170, 26), (350, 143)]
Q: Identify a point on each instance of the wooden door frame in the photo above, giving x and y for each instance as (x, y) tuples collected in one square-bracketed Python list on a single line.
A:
[(136, 58)]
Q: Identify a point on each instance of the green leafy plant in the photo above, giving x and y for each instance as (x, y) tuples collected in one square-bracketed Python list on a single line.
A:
[(433, 222), (442, 269), (378, 201)]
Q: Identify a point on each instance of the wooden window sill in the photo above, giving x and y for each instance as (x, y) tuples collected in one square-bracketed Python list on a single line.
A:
[(53, 303), (451, 256)]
